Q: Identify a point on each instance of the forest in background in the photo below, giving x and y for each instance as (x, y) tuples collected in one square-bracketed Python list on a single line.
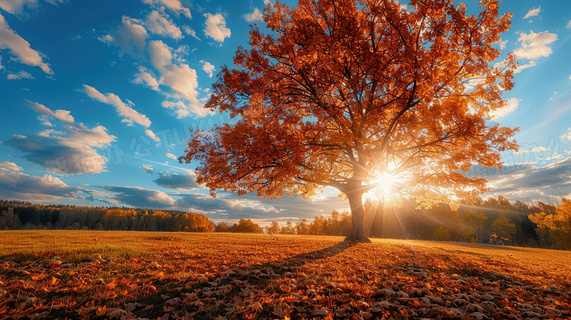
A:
[(495, 220)]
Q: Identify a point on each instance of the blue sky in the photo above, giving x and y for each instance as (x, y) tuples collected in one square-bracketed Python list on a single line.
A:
[(97, 98)]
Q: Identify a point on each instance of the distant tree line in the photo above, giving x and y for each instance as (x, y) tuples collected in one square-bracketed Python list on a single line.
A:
[(495, 220), (24, 215)]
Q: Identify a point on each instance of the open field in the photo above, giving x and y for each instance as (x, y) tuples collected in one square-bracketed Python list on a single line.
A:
[(85, 274)]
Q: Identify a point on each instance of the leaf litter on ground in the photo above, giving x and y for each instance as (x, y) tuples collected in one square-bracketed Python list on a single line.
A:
[(234, 276)]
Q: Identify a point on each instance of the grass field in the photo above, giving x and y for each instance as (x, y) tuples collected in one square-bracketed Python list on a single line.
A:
[(124, 275)]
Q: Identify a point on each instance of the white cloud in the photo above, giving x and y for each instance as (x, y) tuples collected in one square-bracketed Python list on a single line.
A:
[(50, 133), (122, 108), (17, 6), (21, 186), (256, 15), (216, 27), (20, 48), (148, 168), (152, 135), (208, 68), (267, 2), (62, 115), (159, 24), (130, 37), (80, 136), (188, 30), (74, 154), (10, 165), (144, 77), (511, 106), (503, 44), (539, 149), (532, 12), (181, 79), (520, 68), (140, 197), (20, 75), (535, 45), (568, 26), (1, 67), (171, 156), (184, 110), (567, 136), (174, 5)]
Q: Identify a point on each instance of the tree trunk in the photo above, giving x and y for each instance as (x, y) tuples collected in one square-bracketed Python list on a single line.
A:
[(358, 226)]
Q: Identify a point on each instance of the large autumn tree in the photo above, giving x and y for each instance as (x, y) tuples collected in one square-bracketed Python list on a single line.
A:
[(339, 93)]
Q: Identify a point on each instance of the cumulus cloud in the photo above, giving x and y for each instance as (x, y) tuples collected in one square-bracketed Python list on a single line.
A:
[(535, 45), (17, 6), (511, 106), (181, 79), (177, 181), (188, 30), (20, 75), (147, 168), (122, 108), (160, 24), (20, 48), (231, 207), (10, 165), (530, 182), (539, 149), (130, 37), (62, 115), (152, 135), (520, 68), (503, 44), (568, 26), (173, 5), (208, 68), (532, 12), (21, 186), (140, 197), (256, 15), (567, 136), (184, 110), (145, 78), (216, 27), (73, 154), (171, 156)]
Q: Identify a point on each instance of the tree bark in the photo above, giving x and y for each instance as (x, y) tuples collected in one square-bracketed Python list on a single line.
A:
[(358, 233)]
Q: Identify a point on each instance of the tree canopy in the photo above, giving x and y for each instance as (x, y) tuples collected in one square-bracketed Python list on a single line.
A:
[(339, 93)]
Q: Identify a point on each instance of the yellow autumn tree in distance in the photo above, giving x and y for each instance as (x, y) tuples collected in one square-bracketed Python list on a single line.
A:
[(361, 95)]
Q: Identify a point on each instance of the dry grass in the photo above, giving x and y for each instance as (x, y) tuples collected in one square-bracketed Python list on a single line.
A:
[(205, 276)]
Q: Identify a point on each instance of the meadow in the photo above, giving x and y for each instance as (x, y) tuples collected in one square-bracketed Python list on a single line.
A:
[(124, 275)]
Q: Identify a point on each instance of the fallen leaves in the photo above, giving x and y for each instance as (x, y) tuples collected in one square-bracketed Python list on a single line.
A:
[(250, 277)]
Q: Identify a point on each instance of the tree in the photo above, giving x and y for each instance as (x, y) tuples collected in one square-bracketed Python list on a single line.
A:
[(555, 224), (246, 226), (342, 92), (274, 228), (503, 227), (474, 223)]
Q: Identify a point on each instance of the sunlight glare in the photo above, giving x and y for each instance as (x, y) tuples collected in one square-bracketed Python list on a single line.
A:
[(386, 187)]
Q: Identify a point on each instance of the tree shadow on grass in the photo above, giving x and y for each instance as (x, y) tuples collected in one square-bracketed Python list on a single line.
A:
[(233, 287)]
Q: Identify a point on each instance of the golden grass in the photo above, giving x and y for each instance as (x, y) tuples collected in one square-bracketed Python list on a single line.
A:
[(93, 274)]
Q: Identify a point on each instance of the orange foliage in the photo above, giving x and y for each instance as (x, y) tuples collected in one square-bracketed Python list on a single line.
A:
[(340, 91)]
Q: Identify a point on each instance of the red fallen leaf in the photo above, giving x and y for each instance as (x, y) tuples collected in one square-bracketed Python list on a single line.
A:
[(101, 311), (148, 290), (111, 285)]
